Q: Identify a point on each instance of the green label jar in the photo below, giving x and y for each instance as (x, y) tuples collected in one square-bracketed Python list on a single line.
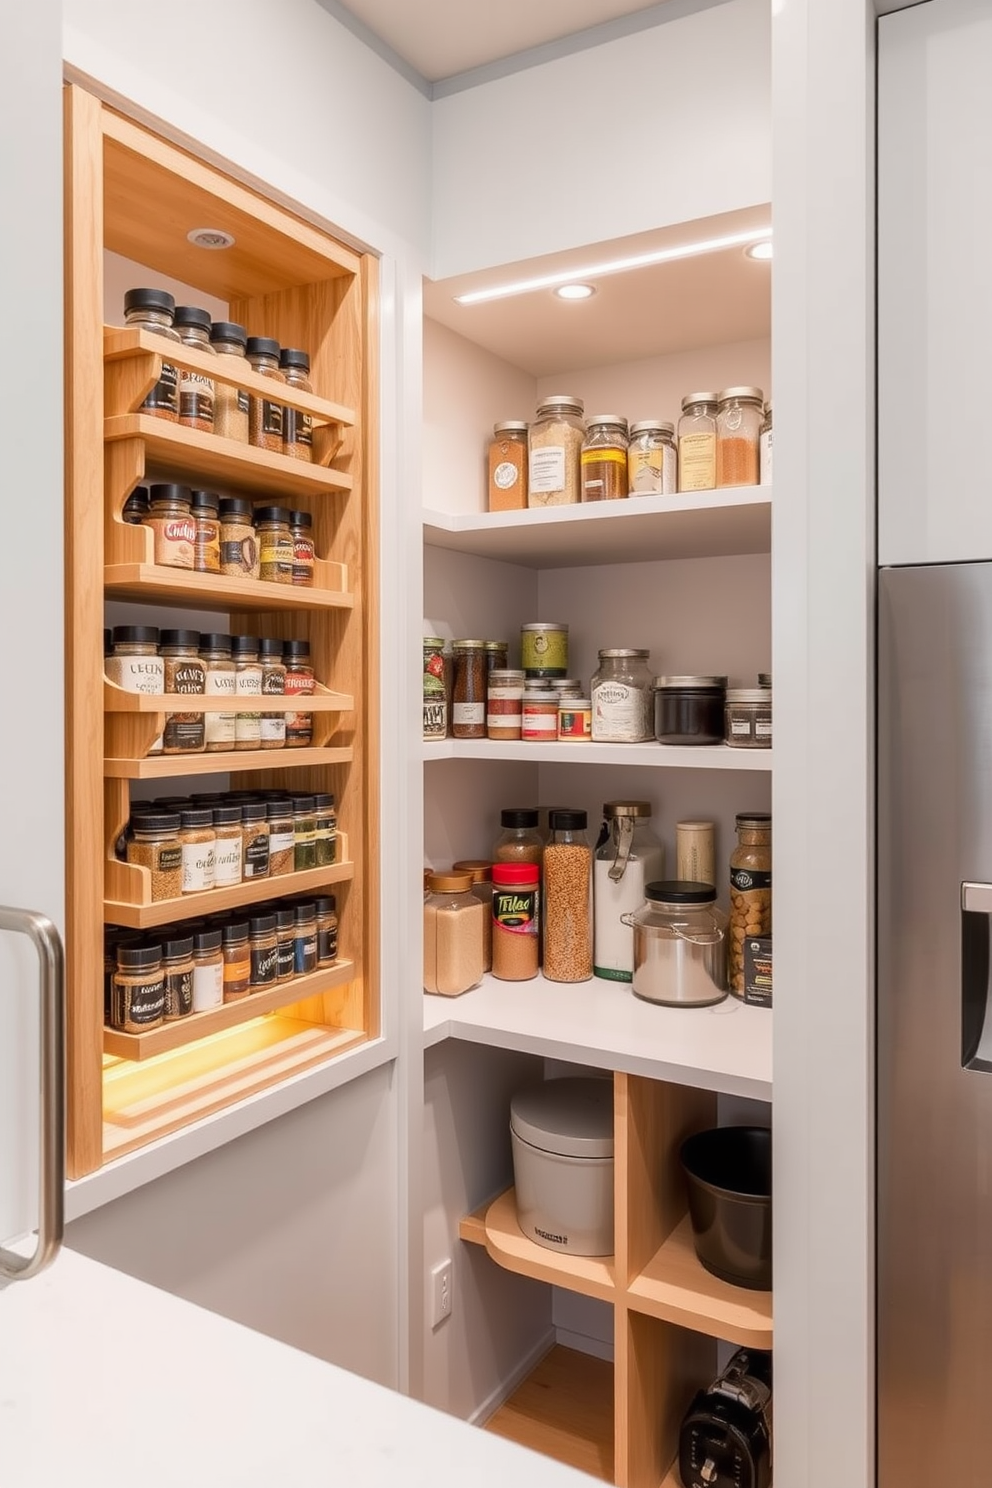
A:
[(544, 649)]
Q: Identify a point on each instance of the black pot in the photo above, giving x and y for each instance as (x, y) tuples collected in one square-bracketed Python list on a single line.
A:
[(729, 1178)]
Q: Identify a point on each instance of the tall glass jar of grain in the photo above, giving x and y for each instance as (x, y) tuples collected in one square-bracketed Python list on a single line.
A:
[(196, 390), (555, 452), (469, 705), (604, 458), (154, 310), (568, 899), (453, 935), (750, 890), (697, 442), (738, 427), (230, 402)]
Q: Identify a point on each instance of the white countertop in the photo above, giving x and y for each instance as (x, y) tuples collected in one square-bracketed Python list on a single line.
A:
[(108, 1383)]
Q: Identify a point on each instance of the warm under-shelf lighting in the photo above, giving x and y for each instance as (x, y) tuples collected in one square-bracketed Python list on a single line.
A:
[(210, 237), (762, 251), (615, 266), (574, 291)]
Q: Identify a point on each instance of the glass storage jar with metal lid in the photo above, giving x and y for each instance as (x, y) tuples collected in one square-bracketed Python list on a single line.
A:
[(238, 543), (567, 903), (453, 935), (299, 684), (508, 466), (621, 697), (297, 428), (205, 511), (275, 544), (265, 415), (652, 461), (738, 426), (689, 710), (748, 717), (154, 310), (554, 444), (519, 841), (697, 442), (230, 402), (247, 686), (544, 649), (469, 703), (221, 680), (504, 704), (603, 461), (765, 447), (304, 550), (169, 517), (628, 856), (680, 945), (177, 973), (497, 656), (196, 389), (272, 726)]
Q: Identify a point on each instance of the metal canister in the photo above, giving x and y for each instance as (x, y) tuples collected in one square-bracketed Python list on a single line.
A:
[(680, 945)]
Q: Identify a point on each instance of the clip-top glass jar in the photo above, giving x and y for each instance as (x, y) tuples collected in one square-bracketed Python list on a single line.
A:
[(196, 389), (508, 466), (697, 442), (453, 931), (604, 458), (230, 402), (154, 310), (652, 462), (555, 452), (750, 889), (621, 697), (297, 428), (265, 415), (738, 426), (628, 856)]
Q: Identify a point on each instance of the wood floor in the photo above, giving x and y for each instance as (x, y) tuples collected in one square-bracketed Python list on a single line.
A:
[(564, 1408)]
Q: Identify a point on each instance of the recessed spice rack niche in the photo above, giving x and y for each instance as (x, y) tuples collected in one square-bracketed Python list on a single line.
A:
[(285, 279)]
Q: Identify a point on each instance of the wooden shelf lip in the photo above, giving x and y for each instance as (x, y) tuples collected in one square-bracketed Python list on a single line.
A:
[(677, 1289), (116, 700), (661, 756), (121, 342), (153, 581), (241, 466), (165, 766), (213, 901), (697, 524), (183, 1031), (510, 1248)]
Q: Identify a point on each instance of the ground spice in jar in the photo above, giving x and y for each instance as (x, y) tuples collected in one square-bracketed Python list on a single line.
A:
[(265, 416), (539, 717), (170, 518), (504, 704), (297, 428), (327, 930), (186, 674), (469, 704), (515, 921), (238, 543), (481, 873), (575, 718), (738, 429), (275, 544), (326, 820), (508, 467), (135, 664), (205, 510), (154, 310), (263, 951), (453, 946), (230, 402), (155, 845), (305, 929), (237, 960), (228, 847), (208, 969), (519, 841), (568, 899), (285, 942), (282, 837), (177, 969), (247, 684), (554, 452), (299, 683), (304, 550), (254, 840), (272, 726), (220, 681), (198, 842), (196, 390), (137, 1000), (304, 834)]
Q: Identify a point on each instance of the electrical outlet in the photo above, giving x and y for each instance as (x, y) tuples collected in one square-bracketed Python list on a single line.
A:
[(440, 1292)]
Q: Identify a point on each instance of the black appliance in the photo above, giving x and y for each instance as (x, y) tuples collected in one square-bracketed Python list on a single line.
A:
[(726, 1436)]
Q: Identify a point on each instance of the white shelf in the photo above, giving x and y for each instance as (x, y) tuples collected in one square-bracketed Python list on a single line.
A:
[(727, 1048), (664, 756), (702, 524)]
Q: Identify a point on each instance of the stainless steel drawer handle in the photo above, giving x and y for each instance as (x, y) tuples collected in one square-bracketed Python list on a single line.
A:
[(51, 1177), (976, 898)]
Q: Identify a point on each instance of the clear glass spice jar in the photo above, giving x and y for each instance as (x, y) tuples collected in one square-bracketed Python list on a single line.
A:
[(208, 969), (265, 415), (196, 389), (138, 989), (236, 954), (135, 508), (748, 717), (177, 973), (622, 697), (297, 428), (738, 427), (272, 726), (238, 542), (327, 929), (750, 890), (481, 874), (205, 511), (134, 663), (604, 458), (453, 935), (304, 549), (275, 544), (568, 930), (220, 680), (520, 840), (508, 466), (652, 460), (326, 822), (282, 837), (263, 951), (254, 840), (285, 942), (628, 856), (469, 703), (305, 931), (230, 402), (228, 846), (155, 845), (247, 685), (697, 442), (497, 657), (186, 674), (199, 843), (154, 310), (171, 521), (299, 684), (304, 834), (554, 444)]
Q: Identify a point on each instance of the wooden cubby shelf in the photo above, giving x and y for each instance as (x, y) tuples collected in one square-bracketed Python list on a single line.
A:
[(182, 1031), (564, 1409), (165, 766), (677, 1289), (139, 916), (147, 583), (495, 1226)]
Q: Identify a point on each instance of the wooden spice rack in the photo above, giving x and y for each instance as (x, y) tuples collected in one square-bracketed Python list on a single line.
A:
[(289, 280)]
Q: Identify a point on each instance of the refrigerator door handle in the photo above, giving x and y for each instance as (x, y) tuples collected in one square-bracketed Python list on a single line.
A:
[(51, 1178)]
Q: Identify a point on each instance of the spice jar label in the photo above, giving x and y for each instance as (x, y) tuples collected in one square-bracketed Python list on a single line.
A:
[(256, 860), (196, 399), (208, 985), (547, 469), (178, 994), (264, 966), (517, 910), (743, 879), (297, 427), (227, 862), (468, 712), (505, 475), (138, 1004), (198, 866), (136, 673), (165, 394), (242, 401), (619, 712), (327, 946)]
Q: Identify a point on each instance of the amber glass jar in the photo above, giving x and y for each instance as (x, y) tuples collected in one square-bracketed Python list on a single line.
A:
[(508, 466), (265, 415), (297, 428)]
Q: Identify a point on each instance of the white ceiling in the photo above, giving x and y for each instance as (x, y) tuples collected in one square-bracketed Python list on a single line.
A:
[(440, 38), (710, 300)]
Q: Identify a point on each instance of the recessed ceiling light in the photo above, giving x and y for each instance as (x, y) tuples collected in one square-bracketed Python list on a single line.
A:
[(761, 251), (614, 266), (574, 291), (210, 237)]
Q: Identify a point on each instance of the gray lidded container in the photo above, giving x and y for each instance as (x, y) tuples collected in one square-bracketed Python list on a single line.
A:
[(562, 1137)]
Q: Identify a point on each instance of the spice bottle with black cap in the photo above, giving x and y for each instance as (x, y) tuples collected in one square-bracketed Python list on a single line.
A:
[(137, 1000), (185, 673), (154, 310), (230, 402), (177, 971), (299, 684), (275, 544), (220, 681), (238, 542), (196, 389), (297, 428), (265, 415)]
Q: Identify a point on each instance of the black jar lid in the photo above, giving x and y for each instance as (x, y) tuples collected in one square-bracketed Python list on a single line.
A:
[(156, 821), (170, 491), (568, 821), (292, 356), (229, 330), (253, 811), (296, 650), (272, 514), (178, 948), (277, 809), (759, 821), (180, 638), (234, 931), (138, 500), (262, 924), (149, 299), (207, 939), (285, 915), (262, 346), (196, 816), (192, 315), (322, 799), (108, 641), (300, 519), (138, 957), (304, 805), (215, 640), (140, 633), (244, 645), (326, 904), (304, 909), (519, 816), (270, 646), (679, 891), (232, 507), (226, 816), (690, 684), (205, 501), (171, 803)]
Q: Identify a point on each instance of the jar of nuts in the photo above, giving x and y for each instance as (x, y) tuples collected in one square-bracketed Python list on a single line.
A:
[(750, 890)]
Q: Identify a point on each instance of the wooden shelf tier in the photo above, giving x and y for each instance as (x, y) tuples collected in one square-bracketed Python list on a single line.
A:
[(495, 1226), (564, 1408), (677, 1289), (172, 448), (663, 756), (136, 916), (183, 1031), (166, 766), (116, 700), (153, 582)]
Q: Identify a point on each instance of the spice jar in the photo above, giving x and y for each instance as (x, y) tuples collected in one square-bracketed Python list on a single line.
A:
[(297, 428), (621, 697), (515, 921), (186, 674), (326, 821), (198, 843), (497, 657), (154, 310), (539, 717), (304, 550), (208, 969), (508, 466), (554, 443), (254, 840), (220, 679), (575, 718), (171, 521), (282, 844), (247, 684), (453, 935), (263, 951), (697, 442), (205, 511), (272, 726), (469, 705), (544, 649), (299, 683), (435, 695), (327, 930), (628, 856), (568, 899), (275, 544), (738, 425), (238, 543), (138, 991), (750, 890), (748, 717), (135, 508), (135, 664), (652, 462), (519, 841), (236, 954), (765, 447), (604, 458), (504, 704), (285, 942), (196, 390), (304, 834), (155, 845), (228, 846), (230, 402), (305, 937), (177, 972), (481, 874), (265, 418), (689, 710)]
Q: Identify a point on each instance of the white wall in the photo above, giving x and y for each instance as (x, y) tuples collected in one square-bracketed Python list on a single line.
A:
[(662, 127)]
